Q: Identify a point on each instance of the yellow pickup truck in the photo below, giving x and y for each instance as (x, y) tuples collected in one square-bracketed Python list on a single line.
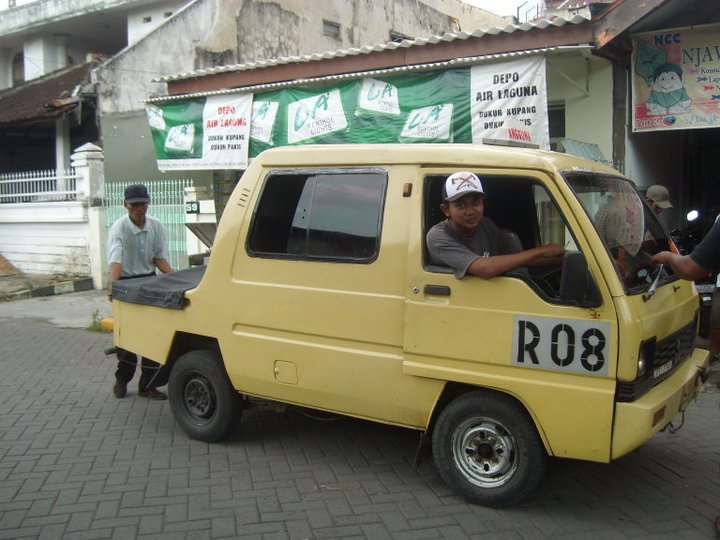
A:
[(319, 292)]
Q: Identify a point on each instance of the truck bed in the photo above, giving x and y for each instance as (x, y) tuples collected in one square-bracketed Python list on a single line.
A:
[(163, 290)]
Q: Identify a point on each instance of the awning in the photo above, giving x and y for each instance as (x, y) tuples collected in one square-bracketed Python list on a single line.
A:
[(457, 62)]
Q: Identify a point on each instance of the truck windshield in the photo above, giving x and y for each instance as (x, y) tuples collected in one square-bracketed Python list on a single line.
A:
[(630, 230)]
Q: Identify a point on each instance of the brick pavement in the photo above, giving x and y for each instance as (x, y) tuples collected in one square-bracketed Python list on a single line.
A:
[(77, 463)]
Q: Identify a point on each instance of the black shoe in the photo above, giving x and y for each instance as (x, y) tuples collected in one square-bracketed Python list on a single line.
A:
[(152, 393), (119, 388)]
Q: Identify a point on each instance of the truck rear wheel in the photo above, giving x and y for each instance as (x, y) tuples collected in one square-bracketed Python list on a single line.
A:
[(486, 449), (202, 399)]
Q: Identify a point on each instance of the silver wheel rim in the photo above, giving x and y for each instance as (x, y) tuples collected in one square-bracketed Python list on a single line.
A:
[(484, 451)]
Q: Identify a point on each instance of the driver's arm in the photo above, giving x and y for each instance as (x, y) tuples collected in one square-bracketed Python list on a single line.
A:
[(683, 265), (488, 267)]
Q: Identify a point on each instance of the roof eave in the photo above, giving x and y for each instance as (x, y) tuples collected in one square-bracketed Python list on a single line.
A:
[(443, 50)]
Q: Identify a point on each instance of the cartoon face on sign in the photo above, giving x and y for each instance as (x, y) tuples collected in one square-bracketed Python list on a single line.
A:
[(668, 93), (664, 79)]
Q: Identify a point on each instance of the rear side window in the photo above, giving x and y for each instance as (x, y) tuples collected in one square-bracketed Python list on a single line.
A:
[(321, 215)]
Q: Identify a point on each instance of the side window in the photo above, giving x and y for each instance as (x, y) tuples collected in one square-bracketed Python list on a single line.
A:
[(320, 215), (527, 217), (552, 225)]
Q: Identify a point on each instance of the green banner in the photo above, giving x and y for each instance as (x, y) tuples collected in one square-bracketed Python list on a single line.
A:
[(423, 107), (502, 101)]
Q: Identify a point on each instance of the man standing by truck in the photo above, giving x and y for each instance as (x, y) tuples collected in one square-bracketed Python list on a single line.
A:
[(704, 259), (471, 243), (136, 247)]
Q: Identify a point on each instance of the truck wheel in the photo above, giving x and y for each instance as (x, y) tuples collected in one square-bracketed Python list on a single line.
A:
[(487, 450), (202, 398)]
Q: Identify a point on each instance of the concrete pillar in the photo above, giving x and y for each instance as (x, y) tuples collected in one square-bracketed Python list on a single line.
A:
[(61, 55), (88, 162), (35, 55), (62, 148), (6, 58)]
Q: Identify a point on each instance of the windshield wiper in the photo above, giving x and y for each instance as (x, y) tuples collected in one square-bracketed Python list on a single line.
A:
[(653, 287)]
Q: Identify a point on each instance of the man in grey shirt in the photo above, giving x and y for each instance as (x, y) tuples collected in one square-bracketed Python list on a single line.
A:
[(471, 243), (136, 246)]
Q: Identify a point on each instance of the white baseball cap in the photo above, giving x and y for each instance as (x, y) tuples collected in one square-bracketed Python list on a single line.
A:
[(460, 184)]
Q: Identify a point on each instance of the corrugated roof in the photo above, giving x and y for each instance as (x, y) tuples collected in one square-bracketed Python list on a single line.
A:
[(340, 53), (584, 150), (46, 97), (374, 73)]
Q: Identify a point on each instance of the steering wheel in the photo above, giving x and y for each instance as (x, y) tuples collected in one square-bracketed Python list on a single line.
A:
[(551, 276)]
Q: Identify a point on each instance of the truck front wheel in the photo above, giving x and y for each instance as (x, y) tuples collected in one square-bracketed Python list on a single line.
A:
[(486, 449), (202, 399)]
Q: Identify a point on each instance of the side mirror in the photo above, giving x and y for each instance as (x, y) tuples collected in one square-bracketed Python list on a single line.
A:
[(576, 284)]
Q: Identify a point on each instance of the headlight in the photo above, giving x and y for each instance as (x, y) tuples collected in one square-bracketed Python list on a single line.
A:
[(641, 363)]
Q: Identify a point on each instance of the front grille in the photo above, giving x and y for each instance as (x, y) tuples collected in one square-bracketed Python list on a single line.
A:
[(676, 348), (669, 353)]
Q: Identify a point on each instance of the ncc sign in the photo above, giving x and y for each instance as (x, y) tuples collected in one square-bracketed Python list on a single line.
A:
[(676, 79)]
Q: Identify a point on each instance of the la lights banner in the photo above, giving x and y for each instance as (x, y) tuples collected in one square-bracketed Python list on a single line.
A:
[(676, 79)]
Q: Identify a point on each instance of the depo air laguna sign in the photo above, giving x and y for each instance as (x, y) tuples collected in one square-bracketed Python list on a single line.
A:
[(454, 105)]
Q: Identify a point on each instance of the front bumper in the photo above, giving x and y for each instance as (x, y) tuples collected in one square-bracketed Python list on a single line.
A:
[(636, 422)]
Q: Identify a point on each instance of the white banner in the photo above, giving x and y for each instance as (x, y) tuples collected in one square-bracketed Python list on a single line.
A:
[(315, 116), (220, 140), (514, 91)]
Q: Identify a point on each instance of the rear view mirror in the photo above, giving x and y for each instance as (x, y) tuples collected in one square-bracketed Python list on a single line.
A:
[(577, 286)]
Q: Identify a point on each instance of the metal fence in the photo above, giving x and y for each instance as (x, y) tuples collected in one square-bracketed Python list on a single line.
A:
[(167, 204), (38, 186)]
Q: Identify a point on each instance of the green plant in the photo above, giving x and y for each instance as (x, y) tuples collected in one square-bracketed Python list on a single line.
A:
[(96, 324)]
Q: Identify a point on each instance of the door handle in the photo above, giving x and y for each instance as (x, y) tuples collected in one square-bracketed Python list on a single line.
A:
[(441, 290)]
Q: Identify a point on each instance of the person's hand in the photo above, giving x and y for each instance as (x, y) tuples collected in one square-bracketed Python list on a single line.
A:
[(660, 258), (552, 253)]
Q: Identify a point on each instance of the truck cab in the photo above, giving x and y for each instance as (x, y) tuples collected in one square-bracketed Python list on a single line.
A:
[(319, 292)]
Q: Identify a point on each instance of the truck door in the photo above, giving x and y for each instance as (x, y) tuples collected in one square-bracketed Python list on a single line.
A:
[(515, 333), (318, 304)]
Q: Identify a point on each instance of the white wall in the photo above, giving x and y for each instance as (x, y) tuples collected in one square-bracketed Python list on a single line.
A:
[(588, 118), (143, 21), (40, 57), (46, 238), (5, 3)]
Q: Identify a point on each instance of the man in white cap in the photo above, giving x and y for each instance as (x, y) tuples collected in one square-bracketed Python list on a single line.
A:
[(658, 197), (473, 244)]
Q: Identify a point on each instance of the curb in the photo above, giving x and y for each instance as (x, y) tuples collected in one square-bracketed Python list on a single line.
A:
[(63, 287)]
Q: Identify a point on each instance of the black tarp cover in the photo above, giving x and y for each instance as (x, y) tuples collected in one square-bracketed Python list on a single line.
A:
[(163, 290)]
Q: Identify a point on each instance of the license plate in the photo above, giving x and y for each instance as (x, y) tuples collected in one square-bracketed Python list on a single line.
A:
[(664, 368)]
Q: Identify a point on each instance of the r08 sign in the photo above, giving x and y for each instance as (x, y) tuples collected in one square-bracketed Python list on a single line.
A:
[(561, 344)]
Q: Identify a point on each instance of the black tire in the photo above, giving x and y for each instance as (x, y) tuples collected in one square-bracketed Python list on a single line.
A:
[(202, 399), (487, 449)]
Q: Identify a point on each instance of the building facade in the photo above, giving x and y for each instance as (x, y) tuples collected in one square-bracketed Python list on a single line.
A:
[(127, 44)]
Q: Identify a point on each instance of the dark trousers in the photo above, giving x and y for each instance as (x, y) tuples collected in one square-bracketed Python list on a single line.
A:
[(152, 374)]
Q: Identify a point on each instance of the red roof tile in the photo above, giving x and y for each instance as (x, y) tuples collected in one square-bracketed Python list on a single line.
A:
[(44, 98)]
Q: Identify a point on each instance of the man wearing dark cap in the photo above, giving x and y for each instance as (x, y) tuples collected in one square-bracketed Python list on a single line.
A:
[(473, 244), (136, 246)]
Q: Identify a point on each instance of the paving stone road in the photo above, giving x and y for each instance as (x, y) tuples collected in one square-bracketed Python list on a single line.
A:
[(77, 463)]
